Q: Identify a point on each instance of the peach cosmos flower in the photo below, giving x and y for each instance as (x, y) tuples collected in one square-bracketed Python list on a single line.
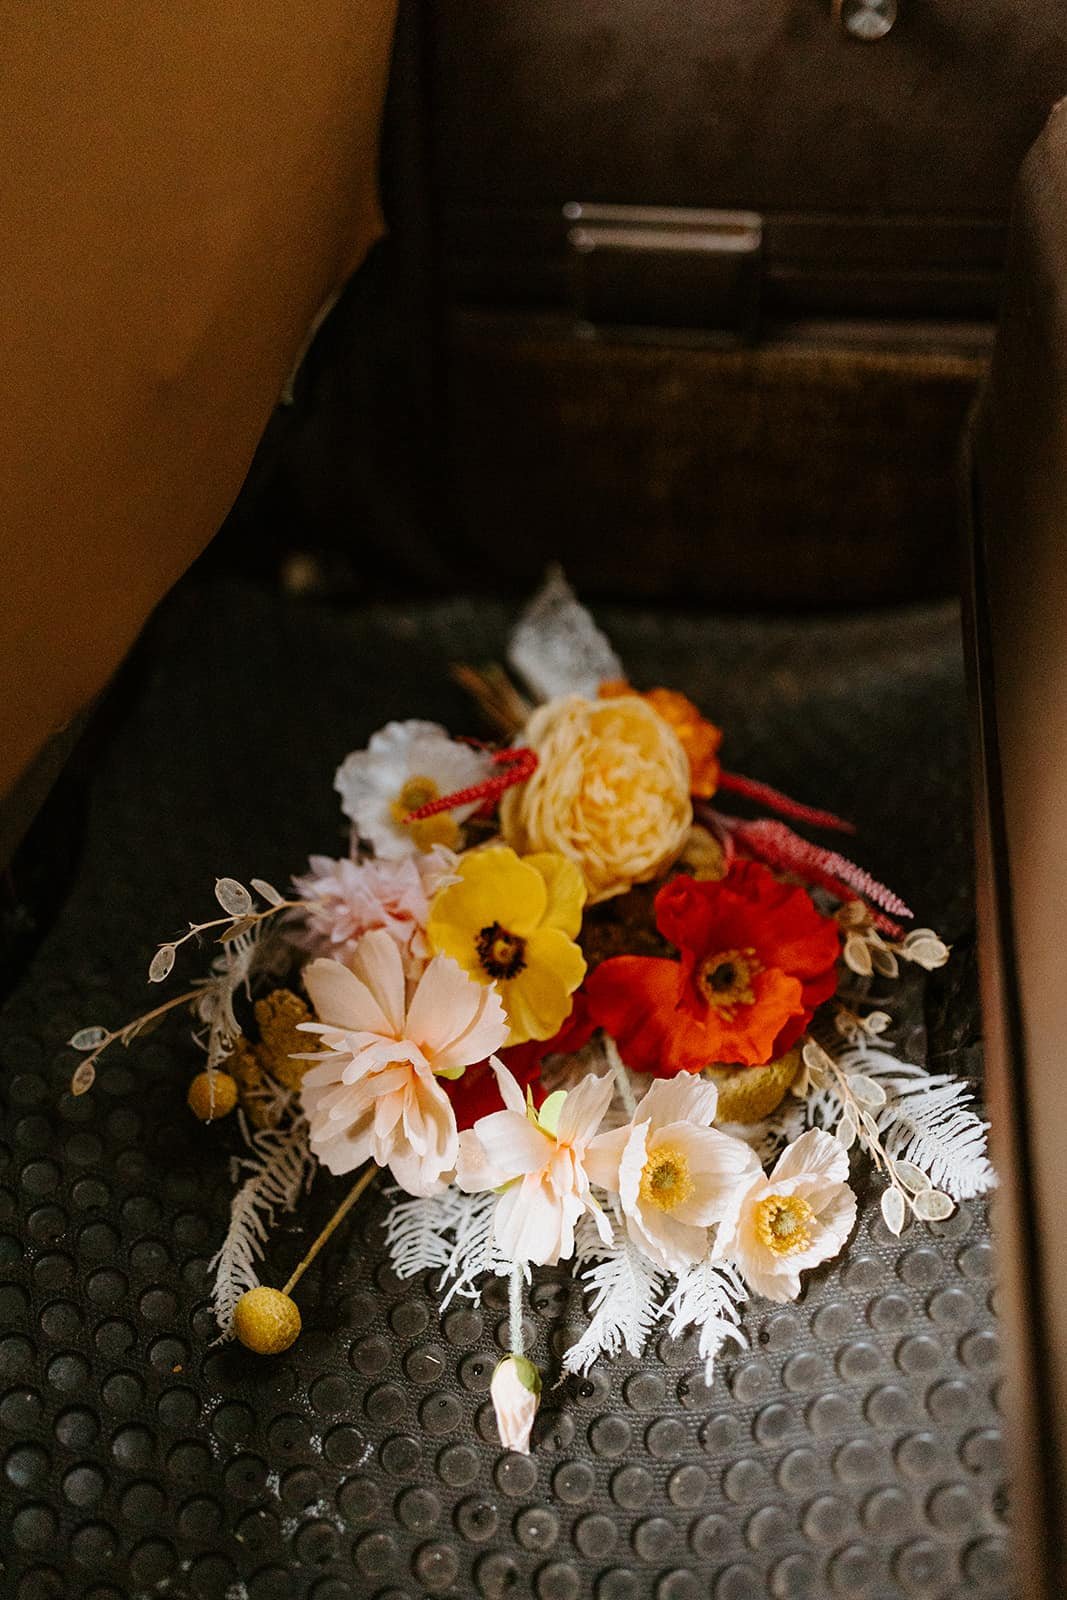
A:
[(374, 1092), (674, 1174), (538, 1159), (781, 1223), (611, 791)]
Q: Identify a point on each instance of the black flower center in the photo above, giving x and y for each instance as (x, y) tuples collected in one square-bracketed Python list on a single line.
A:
[(502, 954), (726, 979)]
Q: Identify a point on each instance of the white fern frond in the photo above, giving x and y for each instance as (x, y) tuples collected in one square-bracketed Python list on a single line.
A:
[(474, 1250), (928, 1120), (450, 1233), (415, 1235), (278, 1170), (625, 1287), (707, 1297)]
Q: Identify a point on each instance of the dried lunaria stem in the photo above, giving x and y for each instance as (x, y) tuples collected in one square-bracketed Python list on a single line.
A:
[(860, 1097)]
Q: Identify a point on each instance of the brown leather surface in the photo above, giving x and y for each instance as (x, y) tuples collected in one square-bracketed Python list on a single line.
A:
[(1021, 632), (893, 160), (181, 187), (794, 475)]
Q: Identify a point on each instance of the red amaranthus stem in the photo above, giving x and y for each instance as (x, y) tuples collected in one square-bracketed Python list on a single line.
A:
[(780, 847), (517, 764), (763, 795)]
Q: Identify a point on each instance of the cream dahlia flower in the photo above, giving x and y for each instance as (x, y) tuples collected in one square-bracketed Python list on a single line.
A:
[(780, 1224), (405, 765), (538, 1160), (611, 791), (373, 1094), (674, 1174)]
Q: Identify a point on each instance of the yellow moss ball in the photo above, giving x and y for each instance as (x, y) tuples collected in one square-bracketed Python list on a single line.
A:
[(748, 1094), (212, 1095), (278, 1016), (266, 1321)]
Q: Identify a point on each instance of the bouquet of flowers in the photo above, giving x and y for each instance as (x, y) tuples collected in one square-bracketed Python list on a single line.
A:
[(578, 1010)]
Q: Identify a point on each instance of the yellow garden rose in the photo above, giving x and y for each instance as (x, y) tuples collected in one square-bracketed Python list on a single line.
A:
[(611, 791), (514, 924)]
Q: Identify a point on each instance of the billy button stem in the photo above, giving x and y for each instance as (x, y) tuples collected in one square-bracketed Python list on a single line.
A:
[(268, 1320)]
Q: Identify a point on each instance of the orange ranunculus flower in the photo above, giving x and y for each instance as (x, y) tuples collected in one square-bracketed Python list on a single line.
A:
[(756, 959), (700, 739)]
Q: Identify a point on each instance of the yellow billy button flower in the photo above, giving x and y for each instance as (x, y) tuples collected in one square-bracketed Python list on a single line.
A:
[(513, 922), (212, 1095), (266, 1321)]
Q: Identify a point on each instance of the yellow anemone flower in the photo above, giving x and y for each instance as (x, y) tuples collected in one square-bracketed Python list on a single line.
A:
[(514, 922)]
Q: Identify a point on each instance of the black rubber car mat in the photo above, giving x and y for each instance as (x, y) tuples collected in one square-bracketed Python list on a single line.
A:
[(853, 1449)]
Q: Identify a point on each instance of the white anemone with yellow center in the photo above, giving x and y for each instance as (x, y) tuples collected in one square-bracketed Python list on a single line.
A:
[(406, 765), (784, 1222), (674, 1173)]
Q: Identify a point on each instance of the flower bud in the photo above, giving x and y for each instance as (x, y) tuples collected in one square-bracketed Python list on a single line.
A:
[(516, 1395)]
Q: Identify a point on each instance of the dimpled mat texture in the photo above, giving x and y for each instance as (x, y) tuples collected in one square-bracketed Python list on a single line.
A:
[(852, 1450)]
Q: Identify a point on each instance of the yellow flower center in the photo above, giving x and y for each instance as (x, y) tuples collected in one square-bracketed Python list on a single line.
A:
[(502, 954), (782, 1223), (666, 1180), (725, 980), (418, 791)]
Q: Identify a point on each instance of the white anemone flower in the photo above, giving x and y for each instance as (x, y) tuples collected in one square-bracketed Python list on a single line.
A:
[(675, 1175), (373, 1093), (406, 765), (538, 1160), (783, 1222)]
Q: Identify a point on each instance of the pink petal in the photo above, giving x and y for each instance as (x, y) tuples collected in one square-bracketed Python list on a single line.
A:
[(377, 963)]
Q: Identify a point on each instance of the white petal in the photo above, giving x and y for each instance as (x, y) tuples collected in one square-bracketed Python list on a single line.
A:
[(718, 1164), (377, 963), (584, 1108), (602, 1158), (339, 999), (474, 1175), (512, 1144), (781, 1284), (684, 1098), (671, 1244), (508, 1084), (815, 1152), (632, 1164), (528, 1223)]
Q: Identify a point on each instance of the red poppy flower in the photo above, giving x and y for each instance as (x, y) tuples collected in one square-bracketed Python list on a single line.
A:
[(475, 1094), (755, 960)]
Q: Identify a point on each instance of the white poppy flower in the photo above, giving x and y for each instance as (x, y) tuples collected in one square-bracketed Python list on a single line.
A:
[(674, 1173), (405, 765), (539, 1161), (780, 1224), (374, 1091)]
